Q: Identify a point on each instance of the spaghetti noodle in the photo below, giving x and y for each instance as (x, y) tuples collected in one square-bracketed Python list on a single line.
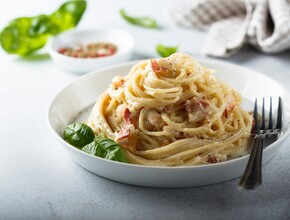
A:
[(172, 112)]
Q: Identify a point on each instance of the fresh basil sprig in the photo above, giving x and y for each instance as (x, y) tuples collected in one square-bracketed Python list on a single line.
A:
[(24, 35), (165, 51), (78, 135), (82, 137), (146, 22), (105, 148)]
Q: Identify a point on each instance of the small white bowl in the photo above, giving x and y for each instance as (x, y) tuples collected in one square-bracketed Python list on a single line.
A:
[(123, 40)]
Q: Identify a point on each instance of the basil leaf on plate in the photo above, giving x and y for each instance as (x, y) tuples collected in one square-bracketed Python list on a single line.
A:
[(105, 148), (78, 135), (165, 51), (146, 22)]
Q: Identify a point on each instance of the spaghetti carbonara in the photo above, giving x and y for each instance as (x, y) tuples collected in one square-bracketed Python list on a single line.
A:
[(172, 112)]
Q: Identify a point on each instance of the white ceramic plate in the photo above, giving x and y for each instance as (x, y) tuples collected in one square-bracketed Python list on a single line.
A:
[(74, 100)]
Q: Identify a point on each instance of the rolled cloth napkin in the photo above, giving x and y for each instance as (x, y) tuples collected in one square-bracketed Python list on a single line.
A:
[(232, 24)]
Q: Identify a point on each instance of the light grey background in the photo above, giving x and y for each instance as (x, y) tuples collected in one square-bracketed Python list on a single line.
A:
[(39, 181)]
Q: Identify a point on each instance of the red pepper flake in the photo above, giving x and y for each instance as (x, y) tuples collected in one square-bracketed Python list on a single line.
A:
[(101, 55), (111, 51), (62, 50), (91, 50)]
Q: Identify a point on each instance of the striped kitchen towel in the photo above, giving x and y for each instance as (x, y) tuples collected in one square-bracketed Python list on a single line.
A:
[(233, 23)]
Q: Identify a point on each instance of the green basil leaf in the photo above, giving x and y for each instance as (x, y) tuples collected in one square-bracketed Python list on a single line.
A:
[(22, 36), (105, 148), (78, 134), (140, 21), (25, 35), (68, 15), (41, 25), (165, 51)]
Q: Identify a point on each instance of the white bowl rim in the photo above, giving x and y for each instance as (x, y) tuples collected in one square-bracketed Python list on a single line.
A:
[(131, 63)]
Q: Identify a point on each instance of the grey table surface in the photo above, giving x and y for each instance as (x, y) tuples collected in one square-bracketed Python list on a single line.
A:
[(38, 180)]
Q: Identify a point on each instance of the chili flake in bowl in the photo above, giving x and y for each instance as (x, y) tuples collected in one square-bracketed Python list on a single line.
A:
[(91, 50), (81, 51)]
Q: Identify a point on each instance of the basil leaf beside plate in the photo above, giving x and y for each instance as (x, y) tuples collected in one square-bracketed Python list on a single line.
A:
[(24, 35), (146, 22), (165, 51), (68, 15)]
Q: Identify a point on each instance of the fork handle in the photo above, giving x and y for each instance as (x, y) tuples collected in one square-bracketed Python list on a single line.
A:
[(252, 176)]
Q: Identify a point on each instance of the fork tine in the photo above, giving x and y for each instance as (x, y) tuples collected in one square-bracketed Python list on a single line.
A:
[(279, 115), (256, 124), (270, 125), (252, 176), (263, 116)]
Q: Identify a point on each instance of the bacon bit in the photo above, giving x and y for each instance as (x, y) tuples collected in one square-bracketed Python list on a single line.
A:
[(212, 159), (117, 84), (203, 102), (182, 104), (123, 134), (154, 121), (197, 109), (163, 71), (128, 138), (179, 135), (226, 113), (165, 109), (155, 66), (135, 118), (195, 104), (127, 116), (229, 108), (190, 106)]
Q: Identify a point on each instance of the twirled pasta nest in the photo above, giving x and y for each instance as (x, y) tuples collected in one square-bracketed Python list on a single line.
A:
[(172, 112)]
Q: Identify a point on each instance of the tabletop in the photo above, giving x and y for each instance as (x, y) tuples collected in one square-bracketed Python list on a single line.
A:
[(38, 180)]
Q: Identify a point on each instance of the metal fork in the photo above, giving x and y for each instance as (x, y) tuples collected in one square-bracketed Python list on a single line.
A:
[(252, 176)]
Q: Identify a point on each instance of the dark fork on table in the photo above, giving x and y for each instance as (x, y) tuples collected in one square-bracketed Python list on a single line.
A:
[(252, 176)]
